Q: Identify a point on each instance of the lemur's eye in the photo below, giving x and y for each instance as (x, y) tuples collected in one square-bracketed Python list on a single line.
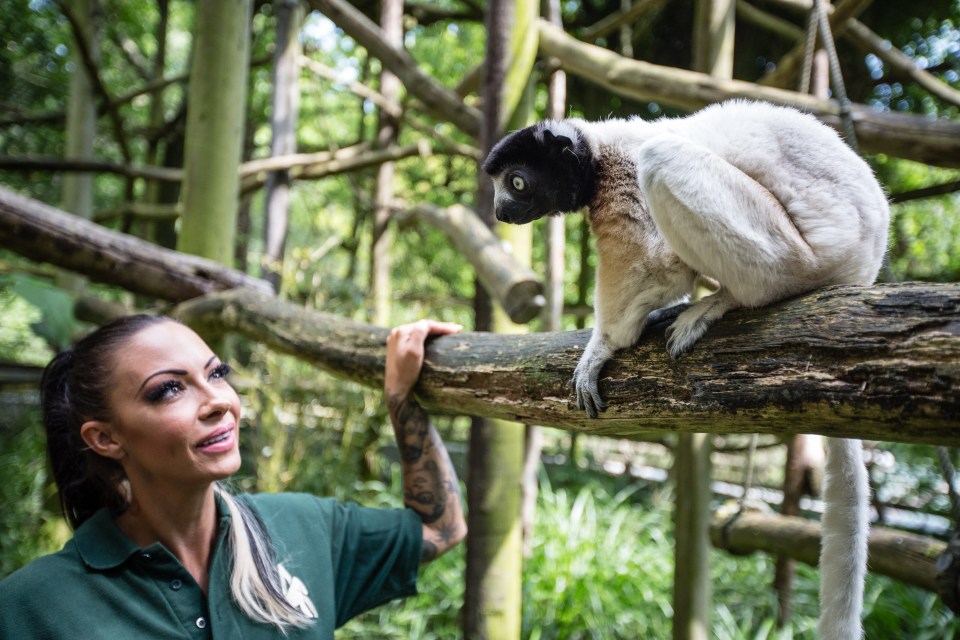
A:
[(518, 183)]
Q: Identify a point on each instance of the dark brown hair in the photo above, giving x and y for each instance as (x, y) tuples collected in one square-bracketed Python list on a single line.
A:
[(73, 390)]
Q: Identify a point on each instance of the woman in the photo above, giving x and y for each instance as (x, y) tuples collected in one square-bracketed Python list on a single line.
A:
[(142, 426)]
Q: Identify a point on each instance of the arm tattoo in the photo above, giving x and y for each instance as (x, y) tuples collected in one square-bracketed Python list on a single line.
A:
[(430, 486)]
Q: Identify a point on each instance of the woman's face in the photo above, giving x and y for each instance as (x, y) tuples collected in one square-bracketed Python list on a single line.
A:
[(175, 418)]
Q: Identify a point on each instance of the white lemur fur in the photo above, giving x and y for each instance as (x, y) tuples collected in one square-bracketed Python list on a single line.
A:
[(765, 200)]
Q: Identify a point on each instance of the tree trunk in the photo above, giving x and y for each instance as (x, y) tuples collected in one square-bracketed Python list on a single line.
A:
[(391, 22), (81, 124), (492, 602), (217, 101), (283, 124)]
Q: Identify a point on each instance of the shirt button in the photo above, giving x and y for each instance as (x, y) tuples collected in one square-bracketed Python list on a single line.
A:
[(176, 584), (201, 623)]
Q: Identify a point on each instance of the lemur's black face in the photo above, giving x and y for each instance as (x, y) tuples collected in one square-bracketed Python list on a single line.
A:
[(537, 172)]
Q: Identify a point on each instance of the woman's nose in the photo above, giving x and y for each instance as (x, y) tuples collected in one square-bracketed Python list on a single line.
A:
[(218, 401)]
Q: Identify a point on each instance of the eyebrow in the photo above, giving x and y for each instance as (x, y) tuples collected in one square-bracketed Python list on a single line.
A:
[(176, 372)]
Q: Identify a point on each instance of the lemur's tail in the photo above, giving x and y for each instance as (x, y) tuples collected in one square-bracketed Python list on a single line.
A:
[(843, 547)]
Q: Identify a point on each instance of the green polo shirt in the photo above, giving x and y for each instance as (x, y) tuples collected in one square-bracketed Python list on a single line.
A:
[(336, 560)]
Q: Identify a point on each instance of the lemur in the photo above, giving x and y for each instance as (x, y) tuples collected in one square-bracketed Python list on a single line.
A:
[(765, 200)]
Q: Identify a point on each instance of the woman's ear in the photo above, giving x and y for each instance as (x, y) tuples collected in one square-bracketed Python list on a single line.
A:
[(99, 437)]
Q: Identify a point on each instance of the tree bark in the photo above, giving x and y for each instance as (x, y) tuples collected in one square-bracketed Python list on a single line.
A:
[(283, 125), (81, 122), (914, 137), (906, 557), (391, 21)]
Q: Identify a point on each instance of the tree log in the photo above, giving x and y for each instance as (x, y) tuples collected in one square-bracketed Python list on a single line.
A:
[(44, 234), (903, 135), (880, 363), (905, 557), (517, 288)]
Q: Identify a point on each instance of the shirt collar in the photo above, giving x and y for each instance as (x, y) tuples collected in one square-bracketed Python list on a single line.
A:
[(102, 545)]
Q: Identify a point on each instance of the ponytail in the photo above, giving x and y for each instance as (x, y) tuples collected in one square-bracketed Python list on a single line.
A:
[(255, 579)]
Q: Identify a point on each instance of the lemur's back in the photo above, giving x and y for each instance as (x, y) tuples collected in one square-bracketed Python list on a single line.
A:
[(828, 192)]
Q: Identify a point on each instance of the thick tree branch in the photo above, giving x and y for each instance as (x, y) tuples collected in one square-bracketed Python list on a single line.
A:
[(442, 102), (915, 137)]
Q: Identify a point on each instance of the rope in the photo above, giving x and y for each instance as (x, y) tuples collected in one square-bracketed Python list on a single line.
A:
[(949, 473), (810, 45), (836, 77), (948, 562)]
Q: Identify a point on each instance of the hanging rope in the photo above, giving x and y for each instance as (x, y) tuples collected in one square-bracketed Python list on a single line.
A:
[(819, 18), (948, 562), (949, 474), (811, 44)]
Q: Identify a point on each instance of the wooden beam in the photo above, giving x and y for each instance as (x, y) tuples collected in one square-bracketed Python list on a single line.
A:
[(906, 557), (915, 137)]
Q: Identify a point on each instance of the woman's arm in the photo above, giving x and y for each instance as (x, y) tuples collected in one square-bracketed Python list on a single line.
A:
[(430, 485)]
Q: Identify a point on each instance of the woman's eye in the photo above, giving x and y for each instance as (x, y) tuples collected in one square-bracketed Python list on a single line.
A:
[(518, 183), (164, 391), (221, 371)]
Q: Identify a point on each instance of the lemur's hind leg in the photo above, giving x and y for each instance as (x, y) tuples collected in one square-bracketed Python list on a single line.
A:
[(696, 319), (724, 224)]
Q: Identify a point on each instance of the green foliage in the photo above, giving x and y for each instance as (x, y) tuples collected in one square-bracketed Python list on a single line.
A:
[(924, 234), (29, 525), (54, 322), (19, 343)]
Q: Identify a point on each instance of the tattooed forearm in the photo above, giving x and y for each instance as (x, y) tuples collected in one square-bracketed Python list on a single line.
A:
[(412, 426), (430, 484)]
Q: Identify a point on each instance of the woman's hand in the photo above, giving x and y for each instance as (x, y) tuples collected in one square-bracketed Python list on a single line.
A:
[(405, 350)]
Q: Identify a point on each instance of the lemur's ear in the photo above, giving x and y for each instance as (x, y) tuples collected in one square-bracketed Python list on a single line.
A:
[(556, 143)]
